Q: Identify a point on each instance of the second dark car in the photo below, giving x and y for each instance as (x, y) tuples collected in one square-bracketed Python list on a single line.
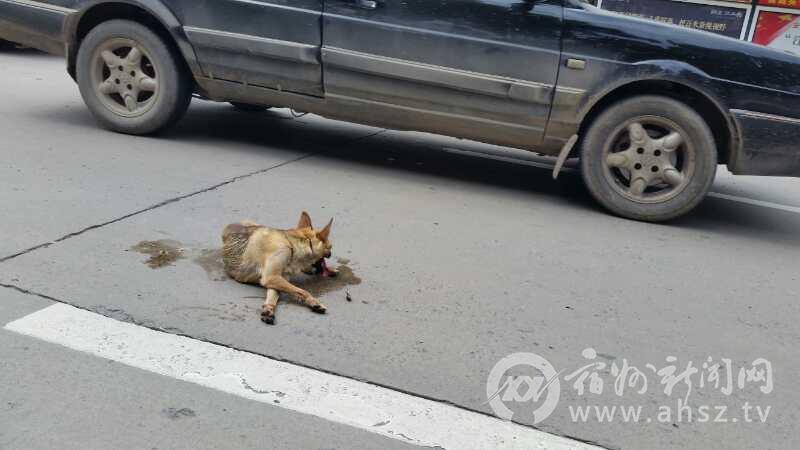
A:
[(650, 109)]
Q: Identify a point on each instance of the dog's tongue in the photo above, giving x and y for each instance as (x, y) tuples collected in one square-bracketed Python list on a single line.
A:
[(323, 268)]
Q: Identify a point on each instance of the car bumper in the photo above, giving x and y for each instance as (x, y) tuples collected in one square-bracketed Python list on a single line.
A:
[(770, 145), (34, 24)]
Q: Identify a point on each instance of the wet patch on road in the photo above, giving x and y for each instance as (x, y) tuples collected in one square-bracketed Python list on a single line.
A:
[(319, 286), (166, 252), (162, 253), (211, 261)]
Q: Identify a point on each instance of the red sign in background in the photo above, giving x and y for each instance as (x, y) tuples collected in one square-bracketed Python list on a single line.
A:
[(778, 30), (794, 4)]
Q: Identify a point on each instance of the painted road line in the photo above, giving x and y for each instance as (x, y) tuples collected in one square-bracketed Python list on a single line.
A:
[(750, 201), (547, 165), (338, 399)]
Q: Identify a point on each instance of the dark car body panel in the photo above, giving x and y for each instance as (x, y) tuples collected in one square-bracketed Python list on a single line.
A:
[(732, 74), (155, 9), (522, 73), (39, 25), (770, 145), (270, 43), (454, 61), (52, 25)]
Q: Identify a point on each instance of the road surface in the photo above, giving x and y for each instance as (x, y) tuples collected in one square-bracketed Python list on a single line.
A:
[(461, 255)]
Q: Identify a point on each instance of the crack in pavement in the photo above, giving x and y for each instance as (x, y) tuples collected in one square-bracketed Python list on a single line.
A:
[(111, 313), (27, 250), (158, 205), (123, 316), (27, 292), (180, 198)]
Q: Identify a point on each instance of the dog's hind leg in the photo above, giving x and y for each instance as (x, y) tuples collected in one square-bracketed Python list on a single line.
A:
[(268, 310), (272, 278), (282, 284)]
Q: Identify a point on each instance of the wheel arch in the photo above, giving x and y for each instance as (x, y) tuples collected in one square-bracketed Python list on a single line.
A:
[(721, 124), (151, 13)]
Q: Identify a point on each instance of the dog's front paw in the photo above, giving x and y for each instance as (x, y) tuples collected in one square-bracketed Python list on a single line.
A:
[(319, 308), (268, 317)]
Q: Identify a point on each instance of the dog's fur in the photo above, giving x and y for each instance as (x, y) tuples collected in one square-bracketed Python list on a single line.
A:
[(256, 254)]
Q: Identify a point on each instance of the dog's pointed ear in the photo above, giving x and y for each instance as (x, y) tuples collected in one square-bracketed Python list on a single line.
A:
[(305, 221), (325, 232)]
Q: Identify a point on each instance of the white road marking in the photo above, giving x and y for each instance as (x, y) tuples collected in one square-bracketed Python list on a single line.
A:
[(343, 400), (750, 201), (549, 166)]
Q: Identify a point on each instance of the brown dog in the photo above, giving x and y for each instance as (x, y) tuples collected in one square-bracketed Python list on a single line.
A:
[(256, 254)]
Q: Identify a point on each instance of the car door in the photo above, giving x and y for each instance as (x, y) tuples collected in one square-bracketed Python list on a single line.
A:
[(465, 66), (268, 43)]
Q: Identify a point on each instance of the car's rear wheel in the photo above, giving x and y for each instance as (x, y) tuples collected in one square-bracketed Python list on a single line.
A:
[(248, 107), (131, 79), (649, 158)]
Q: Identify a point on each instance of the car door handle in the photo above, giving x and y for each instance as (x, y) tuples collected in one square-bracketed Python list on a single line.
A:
[(366, 4)]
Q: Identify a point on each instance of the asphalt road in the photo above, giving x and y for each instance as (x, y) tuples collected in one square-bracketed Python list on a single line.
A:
[(466, 253)]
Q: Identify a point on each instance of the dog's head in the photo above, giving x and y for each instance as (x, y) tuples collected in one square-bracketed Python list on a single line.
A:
[(319, 242)]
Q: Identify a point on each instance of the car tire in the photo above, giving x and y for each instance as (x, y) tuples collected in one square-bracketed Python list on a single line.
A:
[(648, 158), (248, 107), (131, 79)]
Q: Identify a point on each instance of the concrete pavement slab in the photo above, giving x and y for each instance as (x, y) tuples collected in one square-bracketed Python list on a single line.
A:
[(55, 398), (364, 406), (465, 261)]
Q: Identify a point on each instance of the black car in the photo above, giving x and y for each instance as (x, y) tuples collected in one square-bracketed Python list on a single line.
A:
[(649, 108)]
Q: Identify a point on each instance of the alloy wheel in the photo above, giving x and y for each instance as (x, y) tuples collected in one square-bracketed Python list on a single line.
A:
[(649, 160), (125, 77)]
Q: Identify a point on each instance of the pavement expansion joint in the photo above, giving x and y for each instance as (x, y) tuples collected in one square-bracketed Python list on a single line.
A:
[(179, 198), (156, 206)]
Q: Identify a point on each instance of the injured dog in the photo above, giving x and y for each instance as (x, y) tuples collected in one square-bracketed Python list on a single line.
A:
[(256, 254)]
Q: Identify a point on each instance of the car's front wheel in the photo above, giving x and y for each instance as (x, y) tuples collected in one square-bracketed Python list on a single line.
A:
[(648, 158), (131, 79)]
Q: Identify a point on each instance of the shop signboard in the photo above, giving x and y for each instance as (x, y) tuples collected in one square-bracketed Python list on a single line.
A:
[(777, 28), (721, 17)]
